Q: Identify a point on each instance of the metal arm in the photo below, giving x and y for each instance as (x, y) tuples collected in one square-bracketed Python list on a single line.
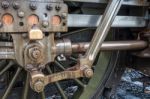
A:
[(102, 30)]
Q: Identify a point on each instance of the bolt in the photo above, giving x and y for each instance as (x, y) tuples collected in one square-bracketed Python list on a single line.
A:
[(36, 53), (64, 15), (16, 5), (61, 58), (5, 4), (24, 35), (21, 14), (88, 72), (45, 23), (33, 6), (49, 7), (57, 7), (29, 67), (39, 86)]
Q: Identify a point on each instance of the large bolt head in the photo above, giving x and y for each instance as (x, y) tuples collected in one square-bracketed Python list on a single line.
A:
[(38, 86), (34, 53), (88, 72)]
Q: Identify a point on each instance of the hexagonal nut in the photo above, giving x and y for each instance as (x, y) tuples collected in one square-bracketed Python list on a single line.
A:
[(37, 81), (34, 53), (38, 86), (88, 72)]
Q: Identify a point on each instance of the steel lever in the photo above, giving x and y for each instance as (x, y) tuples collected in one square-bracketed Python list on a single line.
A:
[(101, 32)]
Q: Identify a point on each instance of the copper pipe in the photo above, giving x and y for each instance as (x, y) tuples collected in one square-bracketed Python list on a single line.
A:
[(111, 45)]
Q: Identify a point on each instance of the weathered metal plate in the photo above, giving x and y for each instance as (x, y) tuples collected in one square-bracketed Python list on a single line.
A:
[(125, 2), (20, 17), (94, 20)]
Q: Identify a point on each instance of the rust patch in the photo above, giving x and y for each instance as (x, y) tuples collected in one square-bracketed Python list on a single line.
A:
[(33, 20), (56, 20), (7, 19)]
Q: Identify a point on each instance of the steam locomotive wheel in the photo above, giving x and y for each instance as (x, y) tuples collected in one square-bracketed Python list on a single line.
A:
[(38, 62), (15, 85)]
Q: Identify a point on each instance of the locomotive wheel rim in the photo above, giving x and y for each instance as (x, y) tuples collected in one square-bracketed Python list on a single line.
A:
[(97, 79)]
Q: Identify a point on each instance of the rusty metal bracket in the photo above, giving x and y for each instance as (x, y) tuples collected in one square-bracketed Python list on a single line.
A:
[(39, 80)]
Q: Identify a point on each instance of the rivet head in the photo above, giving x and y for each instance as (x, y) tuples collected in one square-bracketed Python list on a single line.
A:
[(64, 15), (49, 7), (45, 23), (16, 5), (21, 14), (33, 6), (5, 4), (57, 7)]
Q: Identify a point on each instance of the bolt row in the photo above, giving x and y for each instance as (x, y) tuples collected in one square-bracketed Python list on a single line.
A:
[(33, 6)]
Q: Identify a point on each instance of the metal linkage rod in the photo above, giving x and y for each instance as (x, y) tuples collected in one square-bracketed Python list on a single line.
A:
[(57, 84), (7, 53), (125, 2), (111, 45), (94, 20), (80, 47), (76, 80), (102, 30)]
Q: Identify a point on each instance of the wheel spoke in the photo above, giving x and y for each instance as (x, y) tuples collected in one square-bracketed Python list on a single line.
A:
[(59, 65), (57, 84), (73, 59), (6, 68), (26, 88), (60, 90), (43, 95), (2, 64), (11, 84), (80, 83)]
